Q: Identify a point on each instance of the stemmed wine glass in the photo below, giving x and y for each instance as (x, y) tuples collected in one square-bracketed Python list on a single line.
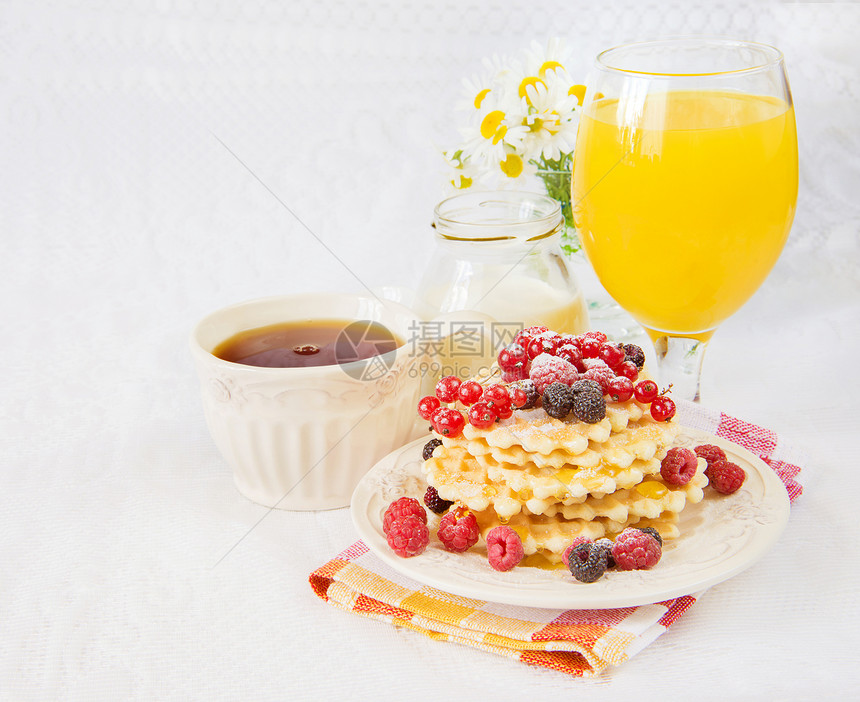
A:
[(684, 185)]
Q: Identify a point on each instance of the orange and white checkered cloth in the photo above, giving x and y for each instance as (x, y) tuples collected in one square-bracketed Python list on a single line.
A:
[(580, 642)]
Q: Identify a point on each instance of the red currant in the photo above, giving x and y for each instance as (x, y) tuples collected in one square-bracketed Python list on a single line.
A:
[(512, 357), (519, 397), (427, 406), (569, 352), (541, 345), (620, 389), (612, 355), (628, 369), (590, 347), (448, 422), (446, 389), (524, 336), (470, 392), (662, 408), (645, 391), (497, 396), (598, 335), (481, 416)]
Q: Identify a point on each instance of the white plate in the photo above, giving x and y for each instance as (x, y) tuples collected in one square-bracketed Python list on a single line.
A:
[(720, 537)]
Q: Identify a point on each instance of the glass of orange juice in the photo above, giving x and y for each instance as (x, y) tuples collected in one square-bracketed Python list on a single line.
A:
[(684, 185)]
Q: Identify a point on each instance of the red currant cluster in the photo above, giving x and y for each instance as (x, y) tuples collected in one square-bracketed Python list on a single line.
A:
[(617, 374), (486, 405), (590, 355)]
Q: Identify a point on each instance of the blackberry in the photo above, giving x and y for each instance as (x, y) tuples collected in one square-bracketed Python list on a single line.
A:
[(587, 385), (587, 562), (635, 354), (429, 447), (653, 532), (557, 400), (606, 544), (434, 502), (528, 387), (589, 407)]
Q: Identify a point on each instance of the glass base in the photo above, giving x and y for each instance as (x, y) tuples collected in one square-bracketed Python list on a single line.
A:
[(608, 317)]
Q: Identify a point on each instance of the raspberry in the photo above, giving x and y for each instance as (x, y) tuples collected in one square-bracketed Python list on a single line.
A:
[(587, 562), (635, 355), (504, 548), (400, 509), (528, 387), (645, 391), (448, 422), (434, 502), (726, 477), (427, 406), (447, 387), (577, 540), (612, 354), (558, 400), (653, 532), (408, 536), (429, 447), (678, 466), (598, 371), (663, 408), (470, 392), (589, 407), (711, 453), (635, 549), (547, 370), (481, 415), (458, 530)]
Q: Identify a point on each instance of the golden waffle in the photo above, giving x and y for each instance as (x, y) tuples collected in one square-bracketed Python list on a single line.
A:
[(550, 536), (617, 494)]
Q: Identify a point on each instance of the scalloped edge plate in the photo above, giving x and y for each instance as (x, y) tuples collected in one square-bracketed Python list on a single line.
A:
[(720, 537)]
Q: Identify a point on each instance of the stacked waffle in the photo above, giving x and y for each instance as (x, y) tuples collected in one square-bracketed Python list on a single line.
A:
[(552, 480)]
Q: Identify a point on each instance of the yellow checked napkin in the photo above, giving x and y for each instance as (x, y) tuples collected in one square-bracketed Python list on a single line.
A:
[(580, 642)]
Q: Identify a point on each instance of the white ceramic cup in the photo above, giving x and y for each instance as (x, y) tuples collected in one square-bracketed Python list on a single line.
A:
[(302, 438)]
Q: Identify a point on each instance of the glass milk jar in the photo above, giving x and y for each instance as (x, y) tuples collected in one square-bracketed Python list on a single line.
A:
[(497, 260)]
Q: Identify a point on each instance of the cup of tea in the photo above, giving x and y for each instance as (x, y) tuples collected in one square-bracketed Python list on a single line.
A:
[(304, 393)]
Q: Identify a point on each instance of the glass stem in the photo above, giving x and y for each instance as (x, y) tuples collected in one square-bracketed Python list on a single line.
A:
[(679, 360)]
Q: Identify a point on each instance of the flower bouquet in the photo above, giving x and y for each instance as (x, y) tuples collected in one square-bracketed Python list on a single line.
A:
[(523, 117)]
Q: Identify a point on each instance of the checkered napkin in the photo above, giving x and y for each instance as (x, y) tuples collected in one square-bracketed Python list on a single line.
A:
[(580, 642)]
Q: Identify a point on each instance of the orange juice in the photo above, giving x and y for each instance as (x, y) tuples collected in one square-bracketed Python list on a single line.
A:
[(684, 200)]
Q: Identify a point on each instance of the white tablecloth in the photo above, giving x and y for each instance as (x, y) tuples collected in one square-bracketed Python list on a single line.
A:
[(126, 214)]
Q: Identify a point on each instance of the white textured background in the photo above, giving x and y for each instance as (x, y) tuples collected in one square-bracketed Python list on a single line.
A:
[(124, 217)]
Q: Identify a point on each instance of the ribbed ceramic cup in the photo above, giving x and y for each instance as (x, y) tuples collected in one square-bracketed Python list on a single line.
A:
[(302, 438)]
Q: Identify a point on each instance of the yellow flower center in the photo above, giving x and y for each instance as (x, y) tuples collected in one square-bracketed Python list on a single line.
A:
[(491, 123), (511, 165), (547, 121), (527, 82), (479, 98), (578, 91), (461, 182), (548, 66)]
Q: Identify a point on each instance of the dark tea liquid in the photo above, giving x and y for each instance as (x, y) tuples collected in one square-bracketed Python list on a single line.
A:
[(322, 342)]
